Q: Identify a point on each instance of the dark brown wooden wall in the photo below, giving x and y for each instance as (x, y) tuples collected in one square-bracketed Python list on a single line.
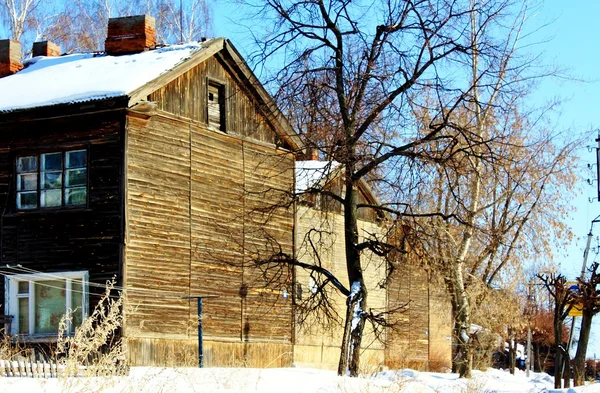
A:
[(83, 238)]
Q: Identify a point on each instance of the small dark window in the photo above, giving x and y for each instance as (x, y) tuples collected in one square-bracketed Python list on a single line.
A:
[(216, 106), (51, 180)]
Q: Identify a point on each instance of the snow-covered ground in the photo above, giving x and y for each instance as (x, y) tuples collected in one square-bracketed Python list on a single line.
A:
[(291, 380)]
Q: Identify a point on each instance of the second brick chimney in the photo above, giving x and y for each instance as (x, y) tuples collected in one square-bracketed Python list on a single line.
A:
[(45, 48), (10, 57), (130, 34)]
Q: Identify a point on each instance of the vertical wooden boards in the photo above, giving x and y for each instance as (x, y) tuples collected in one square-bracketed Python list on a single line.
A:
[(408, 340), (158, 227), (187, 97)]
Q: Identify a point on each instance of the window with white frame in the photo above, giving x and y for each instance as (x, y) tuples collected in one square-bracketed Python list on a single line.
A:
[(38, 301), (50, 180)]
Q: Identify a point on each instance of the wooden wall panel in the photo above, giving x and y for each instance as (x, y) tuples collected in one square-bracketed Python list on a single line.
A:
[(217, 234), (157, 266), (268, 230), (193, 230), (186, 97)]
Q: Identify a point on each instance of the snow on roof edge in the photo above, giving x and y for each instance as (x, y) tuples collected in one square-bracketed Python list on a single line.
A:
[(87, 77)]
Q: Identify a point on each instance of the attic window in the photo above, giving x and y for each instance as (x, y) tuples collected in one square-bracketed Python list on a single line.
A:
[(50, 180), (216, 105)]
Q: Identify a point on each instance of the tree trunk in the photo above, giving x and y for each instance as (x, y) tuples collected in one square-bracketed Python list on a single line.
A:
[(463, 359), (584, 338), (512, 351), (356, 303), (558, 363)]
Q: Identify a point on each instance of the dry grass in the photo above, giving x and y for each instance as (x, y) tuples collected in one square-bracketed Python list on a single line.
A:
[(96, 348)]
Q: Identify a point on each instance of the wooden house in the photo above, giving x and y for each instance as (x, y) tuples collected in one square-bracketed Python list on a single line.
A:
[(152, 165), (171, 169)]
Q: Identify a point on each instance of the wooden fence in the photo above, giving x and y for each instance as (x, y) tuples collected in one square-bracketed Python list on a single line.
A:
[(29, 368)]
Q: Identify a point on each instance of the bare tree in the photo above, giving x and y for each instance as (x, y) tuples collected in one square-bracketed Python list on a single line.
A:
[(388, 91), (556, 284)]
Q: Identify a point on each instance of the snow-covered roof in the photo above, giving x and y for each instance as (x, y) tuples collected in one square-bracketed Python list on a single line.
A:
[(311, 173), (87, 77)]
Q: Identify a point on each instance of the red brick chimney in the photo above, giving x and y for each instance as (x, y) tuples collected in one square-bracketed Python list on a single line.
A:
[(45, 48), (130, 34), (10, 57)]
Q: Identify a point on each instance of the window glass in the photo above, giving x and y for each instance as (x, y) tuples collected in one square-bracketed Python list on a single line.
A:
[(27, 181), (23, 287), (50, 298), (76, 302), (52, 184), (51, 161), (27, 164), (41, 300), (27, 200), (51, 198), (75, 196), (52, 180), (76, 159), (76, 177), (23, 315)]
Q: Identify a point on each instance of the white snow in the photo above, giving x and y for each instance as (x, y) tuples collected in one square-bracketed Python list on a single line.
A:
[(311, 173), (292, 380), (86, 77)]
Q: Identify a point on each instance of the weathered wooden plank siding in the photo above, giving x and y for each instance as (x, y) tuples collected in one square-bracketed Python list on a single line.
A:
[(421, 335), (194, 229), (317, 339), (217, 232), (187, 95), (196, 224), (268, 230), (158, 228), (86, 238)]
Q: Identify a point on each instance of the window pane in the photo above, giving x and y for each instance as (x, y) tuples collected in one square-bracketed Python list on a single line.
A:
[(27, 200), (76, 159), (26, 164), (76, 302), (50, 305), (23, 315), (51, 161), (75, 196), (76, 177), (23, 287), (50, 198), (27, 182), (51, 180)]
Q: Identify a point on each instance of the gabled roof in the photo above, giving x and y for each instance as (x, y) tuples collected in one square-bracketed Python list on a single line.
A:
[(80, 78)]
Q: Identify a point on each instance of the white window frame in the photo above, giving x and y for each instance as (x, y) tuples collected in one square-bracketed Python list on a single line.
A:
[(11, 295)]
